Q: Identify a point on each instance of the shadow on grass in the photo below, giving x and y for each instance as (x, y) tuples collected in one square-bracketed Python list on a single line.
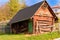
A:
[(11, 34)]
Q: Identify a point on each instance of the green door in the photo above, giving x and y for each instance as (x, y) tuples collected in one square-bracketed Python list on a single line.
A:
[(30, 27)]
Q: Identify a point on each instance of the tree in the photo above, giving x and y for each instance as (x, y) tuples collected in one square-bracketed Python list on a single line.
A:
[(15, 6), (8, 10)]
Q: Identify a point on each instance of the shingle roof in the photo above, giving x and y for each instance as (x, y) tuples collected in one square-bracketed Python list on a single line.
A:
[(25, 13), (28, 12)]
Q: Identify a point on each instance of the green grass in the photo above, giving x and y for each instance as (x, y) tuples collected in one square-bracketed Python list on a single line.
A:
[(48, 36)]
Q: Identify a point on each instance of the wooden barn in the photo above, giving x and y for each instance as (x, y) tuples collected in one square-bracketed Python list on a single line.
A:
[(38, 18)]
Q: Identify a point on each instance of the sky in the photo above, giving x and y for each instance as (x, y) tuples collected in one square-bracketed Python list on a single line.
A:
[(51, 2), (32, 2)]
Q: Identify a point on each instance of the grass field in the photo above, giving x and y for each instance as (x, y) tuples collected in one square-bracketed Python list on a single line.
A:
[(48, 36)]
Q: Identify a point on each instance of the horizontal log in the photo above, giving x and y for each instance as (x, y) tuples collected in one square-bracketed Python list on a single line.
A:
[(45, 30)]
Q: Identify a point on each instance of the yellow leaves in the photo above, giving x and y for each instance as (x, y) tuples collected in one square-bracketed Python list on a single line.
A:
[(10, 9)]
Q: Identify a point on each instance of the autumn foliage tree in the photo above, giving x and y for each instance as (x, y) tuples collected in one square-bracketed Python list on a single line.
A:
[(15, 6), (8, 10)]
